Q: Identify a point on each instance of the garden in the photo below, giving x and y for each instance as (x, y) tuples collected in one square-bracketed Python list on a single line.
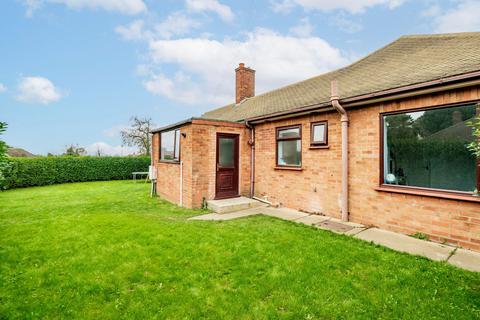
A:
[(108, 250)]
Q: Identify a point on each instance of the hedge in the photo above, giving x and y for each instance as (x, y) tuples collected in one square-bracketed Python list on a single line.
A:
[(40, 171)]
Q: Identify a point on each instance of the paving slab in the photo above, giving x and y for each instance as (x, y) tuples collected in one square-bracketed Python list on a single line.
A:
[(312, 219), (227, 216), (466, 259), (348, 223), (284, 213), (403, 243), (334, 226), (355, 231)]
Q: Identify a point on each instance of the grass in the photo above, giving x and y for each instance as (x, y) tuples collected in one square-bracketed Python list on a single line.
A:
[(106, 250)]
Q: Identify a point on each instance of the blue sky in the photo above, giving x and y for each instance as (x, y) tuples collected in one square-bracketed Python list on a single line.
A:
[(75, 71)]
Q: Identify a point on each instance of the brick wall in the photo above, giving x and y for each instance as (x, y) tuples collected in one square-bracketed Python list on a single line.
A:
[(204, 165), (317, 187), (168, 173)]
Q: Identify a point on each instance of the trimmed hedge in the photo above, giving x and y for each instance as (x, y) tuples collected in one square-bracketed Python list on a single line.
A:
[(40, 171)]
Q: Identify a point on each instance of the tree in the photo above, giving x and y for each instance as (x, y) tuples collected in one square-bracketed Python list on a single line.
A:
[(98, 152), (74, 150), (474, 146), (138, 135), (4, 164), (3, 145)]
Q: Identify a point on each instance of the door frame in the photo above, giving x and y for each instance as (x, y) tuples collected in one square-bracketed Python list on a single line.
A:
[(236, 155)]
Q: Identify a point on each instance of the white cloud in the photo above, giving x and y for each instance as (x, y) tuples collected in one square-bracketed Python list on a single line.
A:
[(206, 66), (37, 90), (464, 17), (129, 7), (223, 11), (3, 88), (115, 130), (132, 31), (176, 24), (181, 88), (303, 29), (352, 6), (108, 150), (345, 24), (432, 11)]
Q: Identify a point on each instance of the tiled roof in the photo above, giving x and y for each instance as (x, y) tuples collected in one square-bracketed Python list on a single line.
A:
[(406, 61)]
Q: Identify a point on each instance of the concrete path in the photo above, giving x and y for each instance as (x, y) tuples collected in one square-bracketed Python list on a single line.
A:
[(461, 258)]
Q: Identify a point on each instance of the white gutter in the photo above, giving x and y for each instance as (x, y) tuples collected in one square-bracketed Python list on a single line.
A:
[(181, 183), (344, 120)]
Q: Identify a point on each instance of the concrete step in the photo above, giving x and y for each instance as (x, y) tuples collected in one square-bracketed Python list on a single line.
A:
[(233, 204)]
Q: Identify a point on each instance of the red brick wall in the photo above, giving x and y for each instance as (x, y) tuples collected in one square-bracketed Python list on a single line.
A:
[(198, 154), (204, 163), (317, 187), (168, 174)]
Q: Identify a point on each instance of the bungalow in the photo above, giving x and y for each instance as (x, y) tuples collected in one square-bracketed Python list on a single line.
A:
[(380, 142)]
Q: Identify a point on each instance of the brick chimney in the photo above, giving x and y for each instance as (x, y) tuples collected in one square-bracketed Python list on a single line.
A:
[(244, 83)]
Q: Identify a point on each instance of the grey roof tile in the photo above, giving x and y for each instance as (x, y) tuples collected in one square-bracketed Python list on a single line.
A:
[(408, 60)]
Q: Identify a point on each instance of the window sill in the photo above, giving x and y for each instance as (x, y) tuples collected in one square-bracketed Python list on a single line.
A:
[(288, 168), (429, 193), (169, 161), (319, 147)]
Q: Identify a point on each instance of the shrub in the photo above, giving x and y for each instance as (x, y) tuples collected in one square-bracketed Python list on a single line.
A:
[(40, 171)]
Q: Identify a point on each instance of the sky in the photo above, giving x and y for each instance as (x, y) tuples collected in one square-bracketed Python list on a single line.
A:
[(76, 71)]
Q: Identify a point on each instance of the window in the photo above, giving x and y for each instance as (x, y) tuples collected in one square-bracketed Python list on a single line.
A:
[(319, 133), (170, 145), (226, 152), (428, 149), (289, 146)]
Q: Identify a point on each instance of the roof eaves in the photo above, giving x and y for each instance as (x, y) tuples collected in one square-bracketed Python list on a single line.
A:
[(188, 121), (172, 126), (365, 98)]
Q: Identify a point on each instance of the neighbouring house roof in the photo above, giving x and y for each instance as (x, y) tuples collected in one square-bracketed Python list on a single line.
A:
[(407, 61), (460, 131), (19, 152)]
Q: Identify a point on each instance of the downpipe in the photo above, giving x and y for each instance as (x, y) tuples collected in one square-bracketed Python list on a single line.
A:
[(252, 159), (344, 121)]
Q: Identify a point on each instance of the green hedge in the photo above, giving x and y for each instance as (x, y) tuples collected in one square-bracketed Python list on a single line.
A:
[(40, 171)]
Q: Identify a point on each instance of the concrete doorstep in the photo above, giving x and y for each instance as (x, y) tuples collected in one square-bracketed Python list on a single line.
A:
[(458, 257)]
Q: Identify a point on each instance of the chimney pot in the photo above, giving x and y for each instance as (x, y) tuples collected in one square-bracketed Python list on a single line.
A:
[(244, 83)]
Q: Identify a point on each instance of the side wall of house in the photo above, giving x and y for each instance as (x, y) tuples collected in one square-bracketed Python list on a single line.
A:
[(317, 187), (168, 173)]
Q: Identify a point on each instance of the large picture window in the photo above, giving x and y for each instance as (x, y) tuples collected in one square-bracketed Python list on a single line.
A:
[(289, 146), (428, 149), (170, 145)]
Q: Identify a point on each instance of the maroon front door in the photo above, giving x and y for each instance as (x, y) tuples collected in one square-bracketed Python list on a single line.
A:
[(227, 166)]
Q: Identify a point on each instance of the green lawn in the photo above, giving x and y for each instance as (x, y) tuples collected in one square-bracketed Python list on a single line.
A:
[(107, 250)]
